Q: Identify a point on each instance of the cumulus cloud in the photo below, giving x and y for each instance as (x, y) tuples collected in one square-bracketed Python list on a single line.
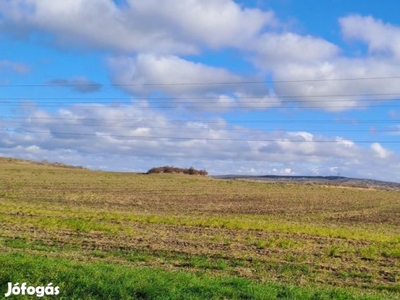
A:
[(273, 50), (379, 36), (78, 84), (172, 26), (339, 84), (380, 151), (215, 23), (315, 73), (196, 84), (146, 72), (93, 135)]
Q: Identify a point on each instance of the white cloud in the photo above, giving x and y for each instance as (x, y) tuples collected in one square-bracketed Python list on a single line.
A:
[(170, 74), (171, 26), (304, 135), (326, 85), (215, 23), (315, 73), (380, 151), (379, 36), (130, 138), (193, 84), (109, 27), (273, 50)]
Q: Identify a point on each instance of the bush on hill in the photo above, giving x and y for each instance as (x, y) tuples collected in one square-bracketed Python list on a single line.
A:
[(174, 170)]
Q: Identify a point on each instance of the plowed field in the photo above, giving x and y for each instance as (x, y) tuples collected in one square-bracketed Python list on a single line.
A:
[(303, 235)]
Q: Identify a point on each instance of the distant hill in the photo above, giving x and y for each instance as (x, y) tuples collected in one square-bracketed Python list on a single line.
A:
[(40, 163), (338, 181)]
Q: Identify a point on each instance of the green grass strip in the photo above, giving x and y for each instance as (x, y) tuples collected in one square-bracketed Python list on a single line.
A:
[(89, 280)]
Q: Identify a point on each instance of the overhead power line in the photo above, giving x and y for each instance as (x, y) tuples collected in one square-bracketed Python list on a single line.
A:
[(169, 98), (332, 101), (201, 121), (230, 107), (217, 107), (89, 84), (273, 81), (142, 126), (139, 137)]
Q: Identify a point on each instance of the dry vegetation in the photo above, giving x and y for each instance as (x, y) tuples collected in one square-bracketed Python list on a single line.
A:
[(293, 234), (175, 170)]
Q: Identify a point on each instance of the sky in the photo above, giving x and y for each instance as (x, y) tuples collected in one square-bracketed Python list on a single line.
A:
[(278, 87)]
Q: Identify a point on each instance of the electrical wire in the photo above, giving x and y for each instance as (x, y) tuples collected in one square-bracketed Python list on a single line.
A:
[(228, 129), (91, 84), (231, 122), (215, 97), (138, 137)]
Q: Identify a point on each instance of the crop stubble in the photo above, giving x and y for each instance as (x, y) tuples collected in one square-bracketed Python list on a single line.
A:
[(308, 235)]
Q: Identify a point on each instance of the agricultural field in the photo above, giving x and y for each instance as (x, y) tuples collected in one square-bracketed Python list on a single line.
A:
[(103, 235)]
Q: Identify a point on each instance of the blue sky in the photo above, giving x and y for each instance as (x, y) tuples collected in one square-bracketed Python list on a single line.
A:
[(247, 87)]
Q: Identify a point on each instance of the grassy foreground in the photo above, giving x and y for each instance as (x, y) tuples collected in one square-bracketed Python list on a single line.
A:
[(79, 280), (105, 235)]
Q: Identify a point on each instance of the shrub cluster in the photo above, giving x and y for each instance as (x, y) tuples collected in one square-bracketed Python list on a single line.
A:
[(174, 170)]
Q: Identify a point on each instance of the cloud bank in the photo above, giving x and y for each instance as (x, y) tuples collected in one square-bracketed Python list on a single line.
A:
[(81, 134)]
